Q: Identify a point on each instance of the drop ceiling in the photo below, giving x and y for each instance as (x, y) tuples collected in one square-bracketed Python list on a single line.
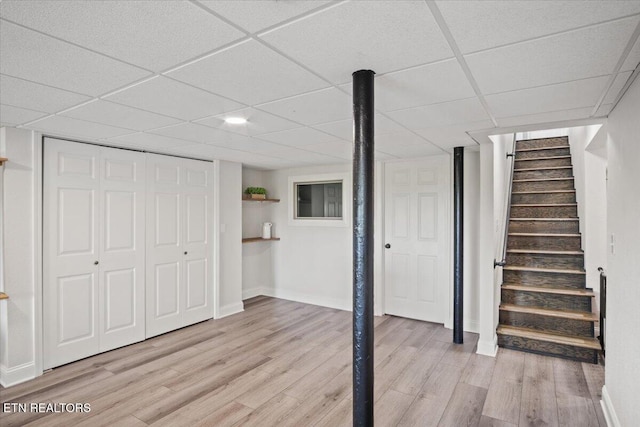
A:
[(163, 75)]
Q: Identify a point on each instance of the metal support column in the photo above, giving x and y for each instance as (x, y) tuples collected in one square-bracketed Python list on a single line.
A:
[(458, 211), (363, 161)]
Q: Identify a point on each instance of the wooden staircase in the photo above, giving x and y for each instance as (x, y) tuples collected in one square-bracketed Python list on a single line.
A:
[(546, 307)]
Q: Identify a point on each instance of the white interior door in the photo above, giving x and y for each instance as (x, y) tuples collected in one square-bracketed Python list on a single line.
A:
[(417, 234), (122, 257), (179, 218), (71, 251)]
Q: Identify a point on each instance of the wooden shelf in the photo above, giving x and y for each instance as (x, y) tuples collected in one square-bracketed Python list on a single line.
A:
[(258, 239), (2, 160), (3, 295), (261, 200)]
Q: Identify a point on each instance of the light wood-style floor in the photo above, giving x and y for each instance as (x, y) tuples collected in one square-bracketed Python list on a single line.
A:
[(281, 363)]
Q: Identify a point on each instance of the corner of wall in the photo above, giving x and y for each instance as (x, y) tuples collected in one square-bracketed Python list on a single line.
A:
[(609, 411)]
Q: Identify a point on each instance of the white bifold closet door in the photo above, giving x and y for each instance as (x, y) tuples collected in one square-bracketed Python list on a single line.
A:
[(94, 250), (179, 271)]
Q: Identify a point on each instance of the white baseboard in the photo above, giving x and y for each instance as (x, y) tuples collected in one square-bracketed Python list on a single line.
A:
[(17, 375), (254, 292), (488, 347), (338, 304), (607, 407), (230, 309)]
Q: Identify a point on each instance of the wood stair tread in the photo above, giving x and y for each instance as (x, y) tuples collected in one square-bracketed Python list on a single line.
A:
[(542, 169), (563, 314), (544, 192), (542, 270), (556, 291), (545, 234), (542, 148), (544, 252), (529, 159), (543, 219), (591, 343), (544, 205), (542, 179)]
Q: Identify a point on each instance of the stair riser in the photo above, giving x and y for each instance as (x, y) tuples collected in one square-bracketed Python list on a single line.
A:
[(548, 349), (569, 262), (542, 226), (565, 184), (544, 279), (553, 301), (555, 325), (554, 152), (546, 142), (548, 163), (538, 198), (544, 211), (543, 174)]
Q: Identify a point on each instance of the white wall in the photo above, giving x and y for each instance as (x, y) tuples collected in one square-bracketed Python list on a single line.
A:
[(257, 262), (471, 243), (230, 246), (622, 374), (18, 317)]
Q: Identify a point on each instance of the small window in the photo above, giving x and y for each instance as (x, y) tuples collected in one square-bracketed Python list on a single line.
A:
[(318, 200)]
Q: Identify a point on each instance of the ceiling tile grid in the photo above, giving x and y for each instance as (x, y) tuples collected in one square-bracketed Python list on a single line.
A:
[(12, 116)]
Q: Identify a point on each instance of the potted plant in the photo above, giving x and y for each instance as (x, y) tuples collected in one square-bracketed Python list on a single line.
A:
[(256, 193)]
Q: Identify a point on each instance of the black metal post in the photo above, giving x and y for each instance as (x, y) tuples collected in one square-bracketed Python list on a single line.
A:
[(458, 211), (363, 159)]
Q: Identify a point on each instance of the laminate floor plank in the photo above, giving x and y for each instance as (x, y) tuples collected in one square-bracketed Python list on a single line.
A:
[(285, 364)]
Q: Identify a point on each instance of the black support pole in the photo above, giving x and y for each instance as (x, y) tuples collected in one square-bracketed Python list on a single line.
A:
[(458, 191), (363, 159)]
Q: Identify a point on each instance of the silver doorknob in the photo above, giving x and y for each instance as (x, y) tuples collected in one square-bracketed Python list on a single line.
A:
[(388, 246)]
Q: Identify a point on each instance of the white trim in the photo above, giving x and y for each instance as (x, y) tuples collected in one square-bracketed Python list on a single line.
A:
[(216, 240), (607, 407), (345, 177), (229, 309), (18, 374), (38, 348), (254, 292), (339, 304), (488, 348)]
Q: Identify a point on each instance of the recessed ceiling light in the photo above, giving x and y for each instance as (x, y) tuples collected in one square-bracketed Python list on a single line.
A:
[(235, 120)]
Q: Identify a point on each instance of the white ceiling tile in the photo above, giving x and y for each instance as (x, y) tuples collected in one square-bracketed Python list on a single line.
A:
[(151, 141), (395, 139), (244, 143), (35, 57), (343, 129), (563, 96), (341, 149), (258, 122), (545, 118), (10, 115), (155, 35), (461, 141), (428, 84), (37, 97), (305, 156), (381, 36), (298, 137), (113, 114), (249, 73), (325, 105), (580, 54), (604, 110), (194, 132), (165, 96), (255, 15), (485, 24), (384, 156), (633, 59), (60, 125), (617, 86), (447, 136), (211, 152), (443, 114)]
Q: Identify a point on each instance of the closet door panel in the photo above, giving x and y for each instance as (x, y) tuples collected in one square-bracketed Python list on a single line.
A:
[(122, 257), (71, 244)]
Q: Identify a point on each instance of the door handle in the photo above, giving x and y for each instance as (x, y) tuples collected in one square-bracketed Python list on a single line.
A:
[(388, 246), (95, 262), (185, 252)]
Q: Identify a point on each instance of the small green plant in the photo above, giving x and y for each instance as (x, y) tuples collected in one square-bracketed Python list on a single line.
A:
[(255, 190)]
